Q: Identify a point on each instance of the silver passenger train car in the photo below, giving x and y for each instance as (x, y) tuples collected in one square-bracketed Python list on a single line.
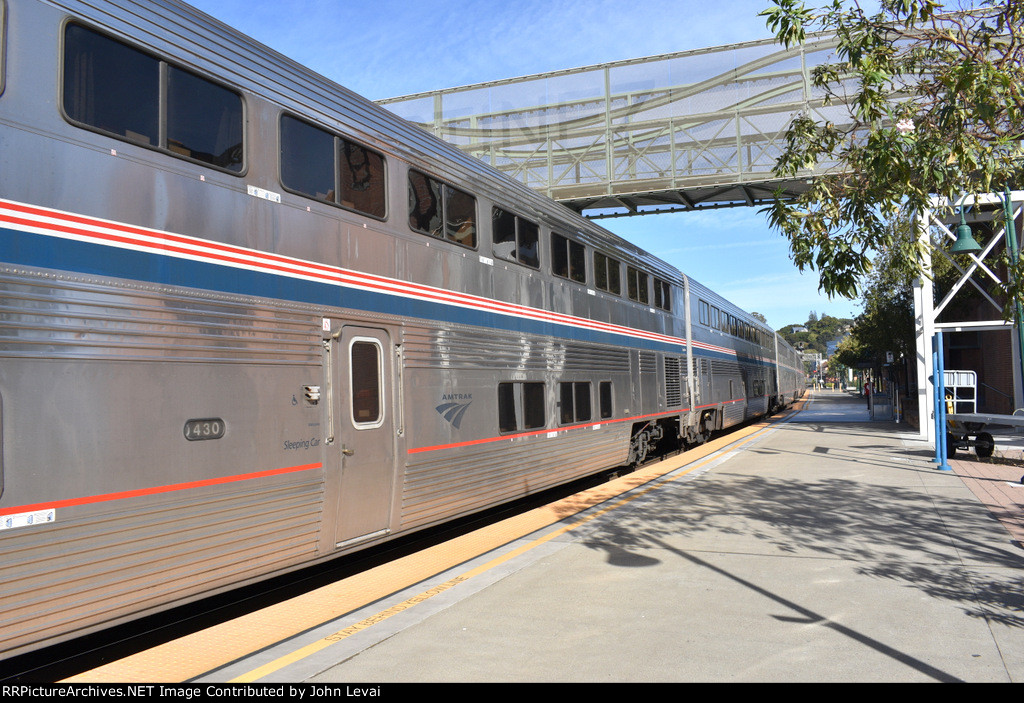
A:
[(251, 321)]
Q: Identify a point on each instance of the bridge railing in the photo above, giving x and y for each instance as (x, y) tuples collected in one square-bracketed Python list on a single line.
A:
[(690, 129)]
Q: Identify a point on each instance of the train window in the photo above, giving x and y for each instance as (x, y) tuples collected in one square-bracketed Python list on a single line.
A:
[(365, 383), (703, 312), (515, 238), (441, 211), (307, 159), (520, 406), (568, 259), (607, 273), (574, 402), (361, 179), (662, 295), (605, 392), (127, 93), (425, 214), (636, 285), (320, 165), (460, 217), (110, 86), (533, 406), (507, 408), (566, 395), (715, 318), (204, 120)]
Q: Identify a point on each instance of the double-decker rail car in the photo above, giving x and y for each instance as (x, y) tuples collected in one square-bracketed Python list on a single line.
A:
[(251, 321)]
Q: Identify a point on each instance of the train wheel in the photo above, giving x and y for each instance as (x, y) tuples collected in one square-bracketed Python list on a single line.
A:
[(984, 445)]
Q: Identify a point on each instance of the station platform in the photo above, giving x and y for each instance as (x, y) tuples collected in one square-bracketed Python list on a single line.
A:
[(819, 547)]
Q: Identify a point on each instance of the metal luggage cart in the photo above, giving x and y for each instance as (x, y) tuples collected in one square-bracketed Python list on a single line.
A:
[(966, 430)]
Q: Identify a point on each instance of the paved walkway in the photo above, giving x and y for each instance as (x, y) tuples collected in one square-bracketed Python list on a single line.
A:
[(822, 548), (997, 486)]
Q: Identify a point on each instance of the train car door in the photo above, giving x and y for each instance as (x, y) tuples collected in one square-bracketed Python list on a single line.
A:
[(365, 433)]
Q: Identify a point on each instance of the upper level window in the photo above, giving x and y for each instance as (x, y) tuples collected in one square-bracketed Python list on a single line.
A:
[(568, 259), (515, 238), (360, 179), (441, 210), (131, 95), (316, 163), (704, 314), (607, 273), (636, 285), (662, 295)]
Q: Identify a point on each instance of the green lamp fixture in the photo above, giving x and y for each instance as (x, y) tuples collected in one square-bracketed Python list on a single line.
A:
[(965, 243)]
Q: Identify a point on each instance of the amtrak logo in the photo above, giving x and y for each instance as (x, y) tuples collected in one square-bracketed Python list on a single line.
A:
[(453, 410)]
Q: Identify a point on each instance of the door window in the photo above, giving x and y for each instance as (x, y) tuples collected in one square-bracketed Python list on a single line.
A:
[(365, 367)]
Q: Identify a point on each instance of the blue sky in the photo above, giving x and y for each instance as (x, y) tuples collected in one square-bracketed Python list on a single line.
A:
[(388, 48)]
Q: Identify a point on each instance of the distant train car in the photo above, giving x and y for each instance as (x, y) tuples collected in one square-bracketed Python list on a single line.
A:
[(251, 321)]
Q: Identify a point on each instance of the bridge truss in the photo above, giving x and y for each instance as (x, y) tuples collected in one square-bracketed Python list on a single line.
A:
[(691, 130)]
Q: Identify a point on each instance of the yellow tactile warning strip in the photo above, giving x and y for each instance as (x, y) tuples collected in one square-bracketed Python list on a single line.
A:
[(193, 655)]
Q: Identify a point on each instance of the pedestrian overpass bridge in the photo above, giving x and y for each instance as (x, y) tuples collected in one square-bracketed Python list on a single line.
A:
[(690, 130)]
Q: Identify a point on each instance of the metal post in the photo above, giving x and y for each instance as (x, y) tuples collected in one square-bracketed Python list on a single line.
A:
[(940, 406), (924, 329), (1010, 237), (935, 404)]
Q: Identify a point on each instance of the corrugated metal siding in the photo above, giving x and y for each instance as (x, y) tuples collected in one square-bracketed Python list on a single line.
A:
[(96, 320), (450, 483), (113, 563), (465, 349)]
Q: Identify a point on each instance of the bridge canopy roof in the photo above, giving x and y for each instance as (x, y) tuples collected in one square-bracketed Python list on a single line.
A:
[(691, 130)]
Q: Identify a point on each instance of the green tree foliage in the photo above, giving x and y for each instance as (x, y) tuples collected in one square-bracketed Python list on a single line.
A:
[(936, 107), (887, 322), (816, 334)]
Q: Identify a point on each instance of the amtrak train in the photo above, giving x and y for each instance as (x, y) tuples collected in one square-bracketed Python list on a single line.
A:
[(252, 321)]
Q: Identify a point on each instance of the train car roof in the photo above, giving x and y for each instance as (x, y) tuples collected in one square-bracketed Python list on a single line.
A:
[(184, 34), (187, 35)]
